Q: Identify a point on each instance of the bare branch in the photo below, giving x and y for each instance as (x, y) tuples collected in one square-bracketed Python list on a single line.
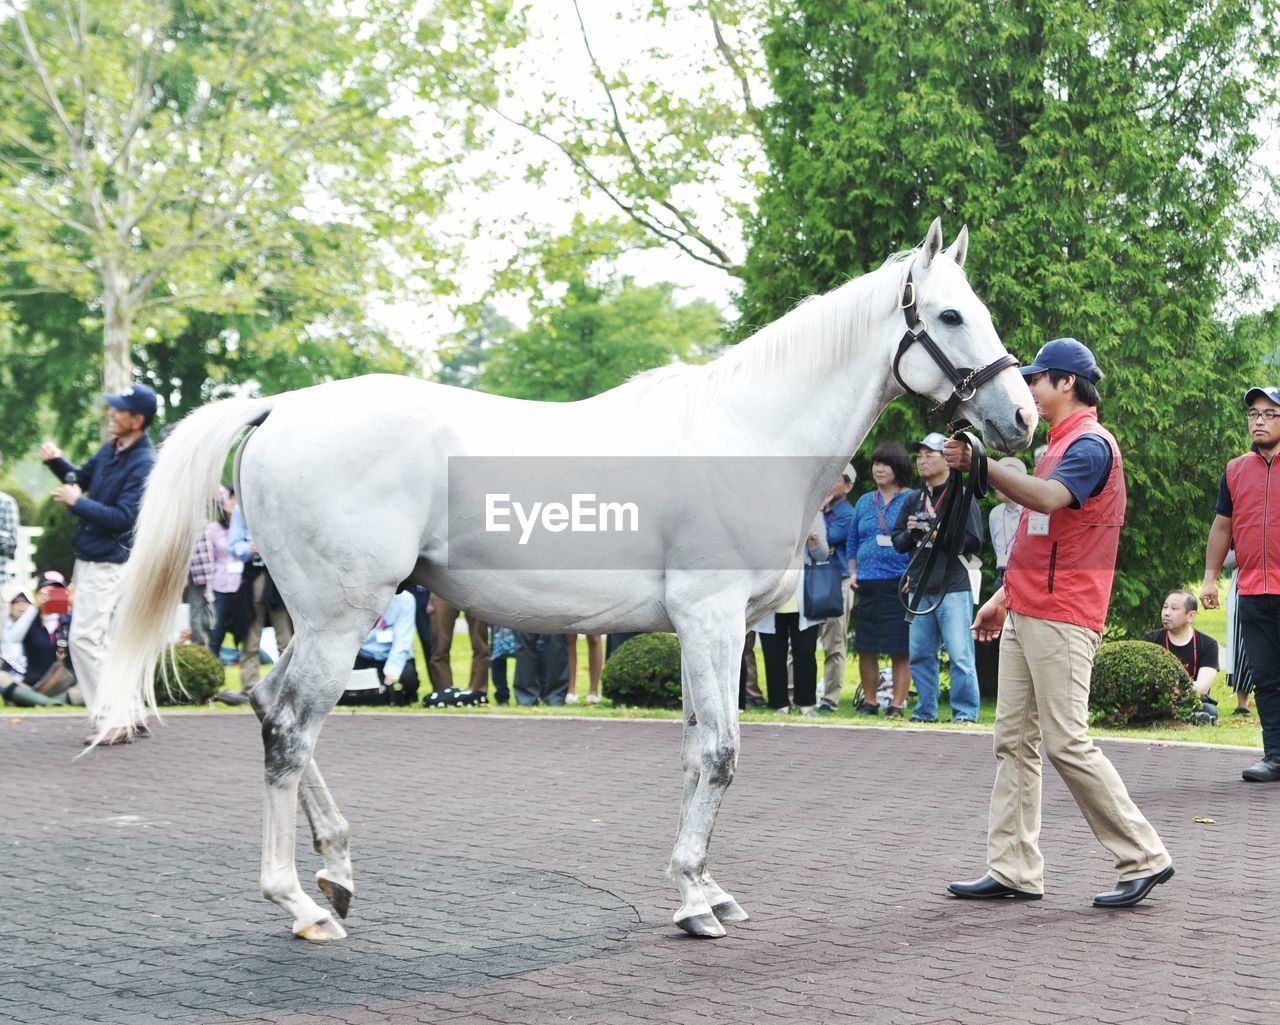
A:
[(42, 72), (719, 258), (70, 222), (730, 59), (686, 222)]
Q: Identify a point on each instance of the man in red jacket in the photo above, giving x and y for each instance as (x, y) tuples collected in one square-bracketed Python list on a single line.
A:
[(1049, 616), (1248, 520)]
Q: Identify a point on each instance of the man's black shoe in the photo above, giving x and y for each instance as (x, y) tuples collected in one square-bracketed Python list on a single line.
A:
[(1129, 891), (1266, 771), (987, 888), (232, 697)]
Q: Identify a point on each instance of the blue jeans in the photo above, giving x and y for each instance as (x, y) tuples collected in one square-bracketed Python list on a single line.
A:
[(947, 624)]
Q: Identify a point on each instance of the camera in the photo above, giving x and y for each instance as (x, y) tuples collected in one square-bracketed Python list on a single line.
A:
[(923, 528)]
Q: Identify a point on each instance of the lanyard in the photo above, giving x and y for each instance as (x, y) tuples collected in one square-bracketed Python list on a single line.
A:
[(930, 508), (1195, 654), (882, 510)]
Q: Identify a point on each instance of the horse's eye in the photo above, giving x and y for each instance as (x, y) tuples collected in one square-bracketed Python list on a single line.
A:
[(951, 317)]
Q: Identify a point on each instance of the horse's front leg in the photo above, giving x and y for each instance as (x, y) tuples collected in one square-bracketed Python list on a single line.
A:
[(722, 905), (710, 758)]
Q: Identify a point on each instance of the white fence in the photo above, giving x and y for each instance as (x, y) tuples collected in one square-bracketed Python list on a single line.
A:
[(23, 564)]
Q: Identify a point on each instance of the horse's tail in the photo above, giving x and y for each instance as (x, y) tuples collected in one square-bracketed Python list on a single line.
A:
[(176, 507)]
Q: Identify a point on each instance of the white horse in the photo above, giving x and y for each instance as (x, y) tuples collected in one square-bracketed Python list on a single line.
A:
[(345, 487)]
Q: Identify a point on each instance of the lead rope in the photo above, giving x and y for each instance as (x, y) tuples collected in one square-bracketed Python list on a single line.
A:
[(962, 489)]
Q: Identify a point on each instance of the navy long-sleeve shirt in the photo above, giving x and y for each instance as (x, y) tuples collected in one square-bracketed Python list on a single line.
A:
[(113, 482)]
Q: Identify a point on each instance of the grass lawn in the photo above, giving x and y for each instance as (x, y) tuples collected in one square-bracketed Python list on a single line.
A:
[(1242, 731)]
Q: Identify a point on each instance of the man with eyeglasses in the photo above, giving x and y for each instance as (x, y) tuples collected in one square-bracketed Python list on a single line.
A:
[(1248, 520)]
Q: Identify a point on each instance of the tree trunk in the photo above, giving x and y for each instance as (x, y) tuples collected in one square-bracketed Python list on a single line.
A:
[(117, 365)]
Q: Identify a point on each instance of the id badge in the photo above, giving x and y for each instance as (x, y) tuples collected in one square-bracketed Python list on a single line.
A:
[(235, 567), (384, 636), (1038, 524), (884, 540)]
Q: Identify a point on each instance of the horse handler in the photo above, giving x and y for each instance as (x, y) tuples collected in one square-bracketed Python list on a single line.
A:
[(1049, 616)]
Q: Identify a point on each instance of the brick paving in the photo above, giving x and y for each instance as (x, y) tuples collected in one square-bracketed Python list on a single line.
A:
[(511, 870)]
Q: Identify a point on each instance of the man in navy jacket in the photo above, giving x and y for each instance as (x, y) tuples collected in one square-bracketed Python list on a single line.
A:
[(104, 495)]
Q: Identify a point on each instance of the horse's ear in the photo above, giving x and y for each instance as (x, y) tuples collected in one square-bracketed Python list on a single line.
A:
[(959, 249), (932, 244)]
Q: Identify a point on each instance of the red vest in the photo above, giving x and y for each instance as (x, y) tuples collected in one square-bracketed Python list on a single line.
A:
[(1065, 574), (1255, 530)]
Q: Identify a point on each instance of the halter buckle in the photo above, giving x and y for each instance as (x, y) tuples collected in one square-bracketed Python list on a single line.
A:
[(908, 290)]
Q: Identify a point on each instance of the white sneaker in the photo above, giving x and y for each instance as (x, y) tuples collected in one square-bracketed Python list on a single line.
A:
[(571, 698), (593, 699)]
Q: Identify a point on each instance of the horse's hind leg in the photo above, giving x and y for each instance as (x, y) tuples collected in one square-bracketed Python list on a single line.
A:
[(709, 653), (330, 834), (292, 710), (331, 838)]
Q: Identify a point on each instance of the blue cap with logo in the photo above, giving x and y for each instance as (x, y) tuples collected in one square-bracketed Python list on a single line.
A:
[(1267, 393), (1067, 355), (137, 398)]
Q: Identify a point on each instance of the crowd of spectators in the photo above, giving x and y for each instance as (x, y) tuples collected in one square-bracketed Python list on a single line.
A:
[(874, 538)]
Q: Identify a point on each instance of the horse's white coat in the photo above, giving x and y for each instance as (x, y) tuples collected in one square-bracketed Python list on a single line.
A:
[(344, 487)]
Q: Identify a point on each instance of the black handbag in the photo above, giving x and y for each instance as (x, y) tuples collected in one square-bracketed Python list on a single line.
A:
[(823, 591)]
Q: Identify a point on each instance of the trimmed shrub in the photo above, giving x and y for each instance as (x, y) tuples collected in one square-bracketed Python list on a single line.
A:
[(644, 672), (200, 675), (1136, 682)]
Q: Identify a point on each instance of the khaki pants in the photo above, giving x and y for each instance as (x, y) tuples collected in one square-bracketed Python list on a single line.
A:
[(1044, 692), (97, 591), (834, 638), (280, 623), (444, 617)]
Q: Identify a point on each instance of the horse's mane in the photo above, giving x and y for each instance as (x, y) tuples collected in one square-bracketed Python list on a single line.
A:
[(817, 335)]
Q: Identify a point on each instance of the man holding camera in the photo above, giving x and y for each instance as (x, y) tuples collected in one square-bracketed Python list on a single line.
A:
[(948, 587), (104, 495), (1049, 617)]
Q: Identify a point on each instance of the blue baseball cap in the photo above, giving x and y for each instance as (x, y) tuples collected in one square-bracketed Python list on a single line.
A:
[(137, 398), (1067, 355), (1267, 393)]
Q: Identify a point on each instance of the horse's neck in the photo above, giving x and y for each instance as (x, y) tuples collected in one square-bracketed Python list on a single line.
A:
[(814, 383)]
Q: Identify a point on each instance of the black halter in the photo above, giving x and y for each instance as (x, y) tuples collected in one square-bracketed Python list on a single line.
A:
[(965, 380)]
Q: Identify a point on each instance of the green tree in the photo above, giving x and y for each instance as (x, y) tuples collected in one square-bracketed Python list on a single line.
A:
[(163, 159), (596, 337), (1100, 153), (652, 105)]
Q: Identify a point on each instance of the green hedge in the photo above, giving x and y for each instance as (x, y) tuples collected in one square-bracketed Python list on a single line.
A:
[(1136, 682), (644, 673), (200, 674)]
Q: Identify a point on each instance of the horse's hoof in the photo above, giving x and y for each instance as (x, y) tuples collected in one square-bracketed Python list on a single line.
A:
[(336, 894), (322, 931), (705, 926), (730, 911)]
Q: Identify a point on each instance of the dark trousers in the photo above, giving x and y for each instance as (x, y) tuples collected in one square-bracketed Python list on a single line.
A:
[(530, 684), (498, 670), (224, 620), (443, 620), (405, 694), (421, 620), (803, 645), (1260, 627)]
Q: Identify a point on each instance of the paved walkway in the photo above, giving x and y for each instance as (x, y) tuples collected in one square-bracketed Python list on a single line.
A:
[(511, 870)]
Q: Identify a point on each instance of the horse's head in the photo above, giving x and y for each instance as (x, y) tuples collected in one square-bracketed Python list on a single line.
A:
[(936, 291)]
